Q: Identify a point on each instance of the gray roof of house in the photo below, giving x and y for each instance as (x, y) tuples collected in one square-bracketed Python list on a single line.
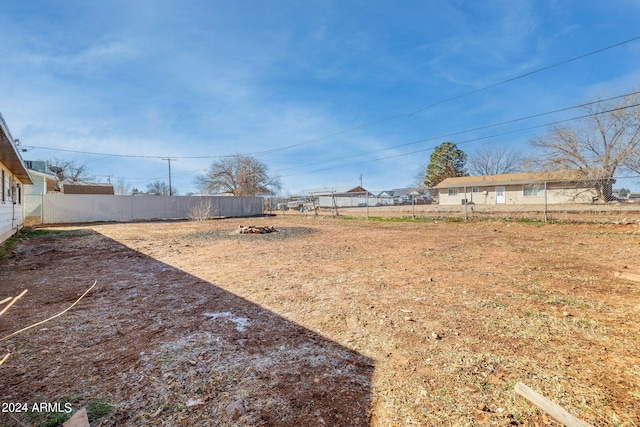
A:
[(508, 179)]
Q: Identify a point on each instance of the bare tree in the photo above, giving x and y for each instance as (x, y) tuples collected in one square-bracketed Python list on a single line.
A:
[(632, 163), (495, 160), (121, 187), (159, 188), (68, 170), (417, 180), (597, 146), (239, 175)]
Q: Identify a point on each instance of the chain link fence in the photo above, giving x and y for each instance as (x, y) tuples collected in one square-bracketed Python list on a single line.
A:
[(601, 200)]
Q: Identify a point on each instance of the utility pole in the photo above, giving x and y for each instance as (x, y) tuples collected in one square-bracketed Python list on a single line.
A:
[(168, 159)]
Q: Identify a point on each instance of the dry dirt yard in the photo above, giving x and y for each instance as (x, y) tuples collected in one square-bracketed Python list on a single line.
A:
[(328, 322)]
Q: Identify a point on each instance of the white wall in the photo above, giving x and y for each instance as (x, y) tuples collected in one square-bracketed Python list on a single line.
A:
[(73, 208), (352, 201), (11, 214), (556, 194)]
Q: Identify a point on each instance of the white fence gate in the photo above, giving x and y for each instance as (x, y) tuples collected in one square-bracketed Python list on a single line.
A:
[(73, 208)]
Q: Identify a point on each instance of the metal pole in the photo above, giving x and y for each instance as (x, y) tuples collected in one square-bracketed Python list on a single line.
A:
[(545, 202), (335, 205), (170, 187), (413, 206), (465, 202), (366, 198)]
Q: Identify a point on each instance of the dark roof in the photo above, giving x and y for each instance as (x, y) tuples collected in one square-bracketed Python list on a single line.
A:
[(86, 188)]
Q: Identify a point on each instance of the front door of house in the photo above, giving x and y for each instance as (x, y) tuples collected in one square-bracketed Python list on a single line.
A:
[(500, 196)]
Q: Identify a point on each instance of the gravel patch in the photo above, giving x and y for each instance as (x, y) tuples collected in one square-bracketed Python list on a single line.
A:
[(284, 233)]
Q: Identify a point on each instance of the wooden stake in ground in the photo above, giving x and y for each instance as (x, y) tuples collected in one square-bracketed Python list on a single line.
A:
[(556, 411), (628, 276), (13, 301), (50, 318)]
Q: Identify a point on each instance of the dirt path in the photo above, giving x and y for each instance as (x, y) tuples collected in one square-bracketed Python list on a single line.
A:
[(327, 322)]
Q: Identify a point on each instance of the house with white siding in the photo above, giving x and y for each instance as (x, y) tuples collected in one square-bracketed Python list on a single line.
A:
[(526, 188), (43, 183), (13, 177), (342, 196)]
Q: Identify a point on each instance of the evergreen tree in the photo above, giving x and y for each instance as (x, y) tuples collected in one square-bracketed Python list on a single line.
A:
[(446, 161)]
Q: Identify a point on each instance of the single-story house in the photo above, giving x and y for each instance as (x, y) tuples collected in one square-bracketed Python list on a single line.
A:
[(43, 183), (87, 188), (343, 196), (525, 188), (13, 177), (340, 191), (406, 195), (385, 198)]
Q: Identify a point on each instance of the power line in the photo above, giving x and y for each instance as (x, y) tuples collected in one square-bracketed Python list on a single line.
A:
[(413, 113), (453, 98), (175, 175), (475, 139), (450, 135), (530, 73), (491, 86), (469, 140), (467, 130), (135, 156)]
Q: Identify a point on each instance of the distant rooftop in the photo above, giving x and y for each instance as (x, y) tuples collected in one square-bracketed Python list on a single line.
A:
[(329, 190), (86, 188)]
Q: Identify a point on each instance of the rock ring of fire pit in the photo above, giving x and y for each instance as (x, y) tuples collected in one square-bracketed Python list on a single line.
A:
[(252, 229)]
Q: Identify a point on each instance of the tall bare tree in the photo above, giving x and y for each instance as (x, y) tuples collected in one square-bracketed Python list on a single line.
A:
[(417, 181), (633, 163), (239, 175), (495, 160), (597, 146), (159, 188), (68, 170), (121, 187)]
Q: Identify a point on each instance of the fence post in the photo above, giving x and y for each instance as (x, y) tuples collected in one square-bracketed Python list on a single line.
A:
[(465, 202), (545, 202), (366, 201), (333, 199), (413, 206)]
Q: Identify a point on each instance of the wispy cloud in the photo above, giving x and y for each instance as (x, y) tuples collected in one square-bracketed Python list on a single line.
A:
[(215, 77)]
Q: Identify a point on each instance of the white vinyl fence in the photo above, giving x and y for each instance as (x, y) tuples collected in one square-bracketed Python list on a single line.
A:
[(73, 208), (355, 200)]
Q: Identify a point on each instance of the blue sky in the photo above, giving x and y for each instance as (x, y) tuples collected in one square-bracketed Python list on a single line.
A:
[(334, 81)]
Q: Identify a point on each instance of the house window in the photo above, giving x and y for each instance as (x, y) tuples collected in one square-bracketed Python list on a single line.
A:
[(453, 192), (475, 190), (4, 193), (533, 190)]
